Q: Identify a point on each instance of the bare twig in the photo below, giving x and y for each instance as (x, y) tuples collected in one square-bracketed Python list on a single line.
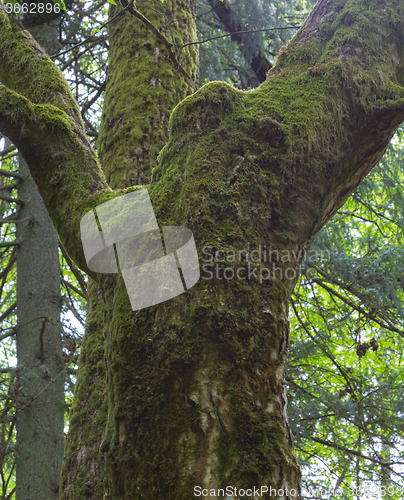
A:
[(91, 36), (11, 200), (72, 287), (88, 104), (235, 33), (8, 311), (8, 244), (73, 269), (9, 173), (15, 221)]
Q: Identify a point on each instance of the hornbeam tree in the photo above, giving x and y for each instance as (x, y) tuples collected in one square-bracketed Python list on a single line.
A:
[(190, 392)]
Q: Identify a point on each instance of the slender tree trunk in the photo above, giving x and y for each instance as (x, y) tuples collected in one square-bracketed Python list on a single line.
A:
[(41, 404), (39, 452)]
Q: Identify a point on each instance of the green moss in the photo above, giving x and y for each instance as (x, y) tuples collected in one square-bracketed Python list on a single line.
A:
[(19, 58), (196, 383), (142, 89)]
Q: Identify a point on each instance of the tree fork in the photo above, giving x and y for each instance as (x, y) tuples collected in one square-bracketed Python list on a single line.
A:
[(195, 385)]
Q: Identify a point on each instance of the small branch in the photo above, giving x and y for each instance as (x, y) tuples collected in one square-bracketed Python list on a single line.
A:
[(327, 352), (11, 262), (7, 151), (8, 187), (88, 104), (80, 54), (11, 333), (291, 381), (384, 324), (235, 33), (30, 321), (73, 269), (11, 200), (351, 452), (91, 36), (72, 287), (8, 311), (8, 244), (90, 131), (15, 221), (73, 310)]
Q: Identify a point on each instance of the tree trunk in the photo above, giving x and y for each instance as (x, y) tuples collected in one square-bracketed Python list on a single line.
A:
[(195, 385), (41, 405), (134, 129)]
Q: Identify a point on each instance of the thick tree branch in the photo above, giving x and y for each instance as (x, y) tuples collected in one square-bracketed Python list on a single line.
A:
[(259, 63), (46, 84), (55, 147), (40, 116)]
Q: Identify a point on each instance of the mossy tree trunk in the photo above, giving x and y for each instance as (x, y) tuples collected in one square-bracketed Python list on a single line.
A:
[(195, 392), (135, 127)]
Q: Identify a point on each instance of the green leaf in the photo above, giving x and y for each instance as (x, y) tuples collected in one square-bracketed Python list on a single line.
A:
[(394, 190), (112, 1), (60, 3)]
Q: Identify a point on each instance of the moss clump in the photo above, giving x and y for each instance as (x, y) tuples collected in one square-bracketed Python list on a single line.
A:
[(20, 56), (142, 89)]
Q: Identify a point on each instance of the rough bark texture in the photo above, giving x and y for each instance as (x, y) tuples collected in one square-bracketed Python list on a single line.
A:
[(195, 385), (134, 129), (142, 89), (41, 403)]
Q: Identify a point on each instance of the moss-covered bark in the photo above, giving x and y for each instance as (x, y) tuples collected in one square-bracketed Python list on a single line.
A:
[(195, 385), (83, 474), (133, 131), (142, 89)]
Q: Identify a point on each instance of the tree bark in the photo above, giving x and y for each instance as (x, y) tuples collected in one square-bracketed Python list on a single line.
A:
[(137, 108), (40, 426), (41, 405), (195, 385), (134, 129)]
